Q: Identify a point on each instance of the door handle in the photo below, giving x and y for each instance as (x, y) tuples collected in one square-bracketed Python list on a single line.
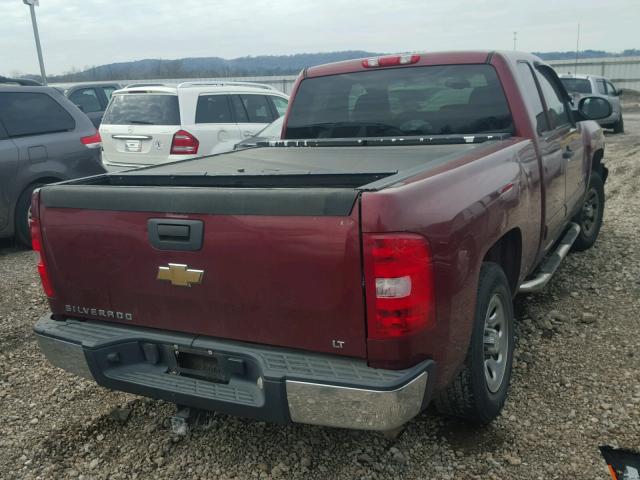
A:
[(247, 133), (568, 153)]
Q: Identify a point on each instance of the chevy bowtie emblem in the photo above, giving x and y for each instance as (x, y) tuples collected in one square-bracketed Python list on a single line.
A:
[(180, 275)]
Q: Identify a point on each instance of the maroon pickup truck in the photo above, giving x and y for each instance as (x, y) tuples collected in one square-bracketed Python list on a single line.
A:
[(346, 275)]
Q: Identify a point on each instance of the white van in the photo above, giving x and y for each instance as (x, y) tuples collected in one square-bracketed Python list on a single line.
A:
[(152, 124)]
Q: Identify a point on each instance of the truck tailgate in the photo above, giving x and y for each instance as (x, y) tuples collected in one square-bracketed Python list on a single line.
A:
[(284, 270)]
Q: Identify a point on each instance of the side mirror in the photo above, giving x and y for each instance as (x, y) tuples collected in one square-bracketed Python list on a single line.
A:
[(618, 92), (594, 108)]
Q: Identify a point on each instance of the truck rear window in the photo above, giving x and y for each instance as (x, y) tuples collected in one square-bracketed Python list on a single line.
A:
[(577, 85), (432, 100), (142, 109)]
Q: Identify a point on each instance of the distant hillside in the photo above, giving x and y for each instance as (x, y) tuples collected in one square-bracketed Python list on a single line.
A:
[(209, 67), (585, 54), (249, 66)]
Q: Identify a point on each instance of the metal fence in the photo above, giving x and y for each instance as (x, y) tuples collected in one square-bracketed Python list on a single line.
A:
[(624, 72)]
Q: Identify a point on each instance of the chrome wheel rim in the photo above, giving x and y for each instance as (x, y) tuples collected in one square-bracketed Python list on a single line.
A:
[(496, 343), (590, 210)]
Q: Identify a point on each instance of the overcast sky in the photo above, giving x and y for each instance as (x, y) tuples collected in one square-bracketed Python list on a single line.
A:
[(80, 33)]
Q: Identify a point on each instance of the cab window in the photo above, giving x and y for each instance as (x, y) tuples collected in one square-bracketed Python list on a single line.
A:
[(556, 106)]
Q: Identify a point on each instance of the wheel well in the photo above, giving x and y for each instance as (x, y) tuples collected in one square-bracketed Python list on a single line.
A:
[(596, 164), (45, 180), (37, 181), (507, 252)]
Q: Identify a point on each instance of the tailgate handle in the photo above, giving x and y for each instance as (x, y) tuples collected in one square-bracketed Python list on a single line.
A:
[(173, 232), (181, 235)]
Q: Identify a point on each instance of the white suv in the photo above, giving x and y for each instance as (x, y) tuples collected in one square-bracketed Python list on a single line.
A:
[(151, 124)]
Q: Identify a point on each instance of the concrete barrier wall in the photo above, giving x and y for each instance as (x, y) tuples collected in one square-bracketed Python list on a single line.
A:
[(624, 72)]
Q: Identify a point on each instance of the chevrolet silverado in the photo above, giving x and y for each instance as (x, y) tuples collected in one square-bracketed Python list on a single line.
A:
[(346, 275)]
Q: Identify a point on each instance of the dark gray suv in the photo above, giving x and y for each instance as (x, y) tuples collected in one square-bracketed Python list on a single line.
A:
[(44, 138)]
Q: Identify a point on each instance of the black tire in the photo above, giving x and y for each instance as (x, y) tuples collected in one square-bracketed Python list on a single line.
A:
[(618, 127), (590, 215), (22, 231), (469, 396)]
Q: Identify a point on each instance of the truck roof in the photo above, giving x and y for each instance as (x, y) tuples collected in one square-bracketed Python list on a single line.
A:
[(424, 59)]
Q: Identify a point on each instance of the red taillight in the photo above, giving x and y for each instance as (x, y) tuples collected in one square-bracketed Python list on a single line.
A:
[(399, 284), (184, 143), (92, 141), (390, 61), (36, 243)]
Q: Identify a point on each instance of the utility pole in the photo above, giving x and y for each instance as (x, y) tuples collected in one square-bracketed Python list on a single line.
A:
[(32, 6), (515, 36), (575, 70)]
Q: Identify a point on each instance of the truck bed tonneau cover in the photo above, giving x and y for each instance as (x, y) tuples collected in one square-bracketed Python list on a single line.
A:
[(312, 160)]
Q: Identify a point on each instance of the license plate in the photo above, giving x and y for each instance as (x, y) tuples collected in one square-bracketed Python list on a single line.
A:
[(133, 146), (201, 367)]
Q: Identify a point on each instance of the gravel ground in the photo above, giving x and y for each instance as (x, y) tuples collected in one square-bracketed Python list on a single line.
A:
[(576, 386)]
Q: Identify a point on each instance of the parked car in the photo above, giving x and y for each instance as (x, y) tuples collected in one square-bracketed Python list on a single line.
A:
[(580, 86), (92, 98), (268, 133), (348, 278), (151, 124), (44, 138), (27, 82)]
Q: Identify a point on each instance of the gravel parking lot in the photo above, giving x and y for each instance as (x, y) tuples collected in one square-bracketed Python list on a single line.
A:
[(576, 386)]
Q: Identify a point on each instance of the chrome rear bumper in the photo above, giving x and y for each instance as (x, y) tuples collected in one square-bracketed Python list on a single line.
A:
[(356, 408)]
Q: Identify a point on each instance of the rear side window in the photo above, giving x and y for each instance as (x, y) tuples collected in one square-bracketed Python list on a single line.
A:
[(108, 91), (532, 96), (430, 100), (86, 99), (280, 104), (142, 109), (257, 108), (25, 114), (577, 85), (213, 109), (238, 109)]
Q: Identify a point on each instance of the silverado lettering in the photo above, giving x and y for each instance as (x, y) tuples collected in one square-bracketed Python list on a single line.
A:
[(359, 269), (98, 312)]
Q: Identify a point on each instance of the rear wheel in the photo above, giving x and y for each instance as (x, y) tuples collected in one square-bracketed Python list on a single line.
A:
[(480, 389), (618, 127), (590, 215), (23, 211)]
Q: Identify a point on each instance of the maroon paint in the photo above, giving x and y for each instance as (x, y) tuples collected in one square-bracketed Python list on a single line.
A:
[(287, 281)]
